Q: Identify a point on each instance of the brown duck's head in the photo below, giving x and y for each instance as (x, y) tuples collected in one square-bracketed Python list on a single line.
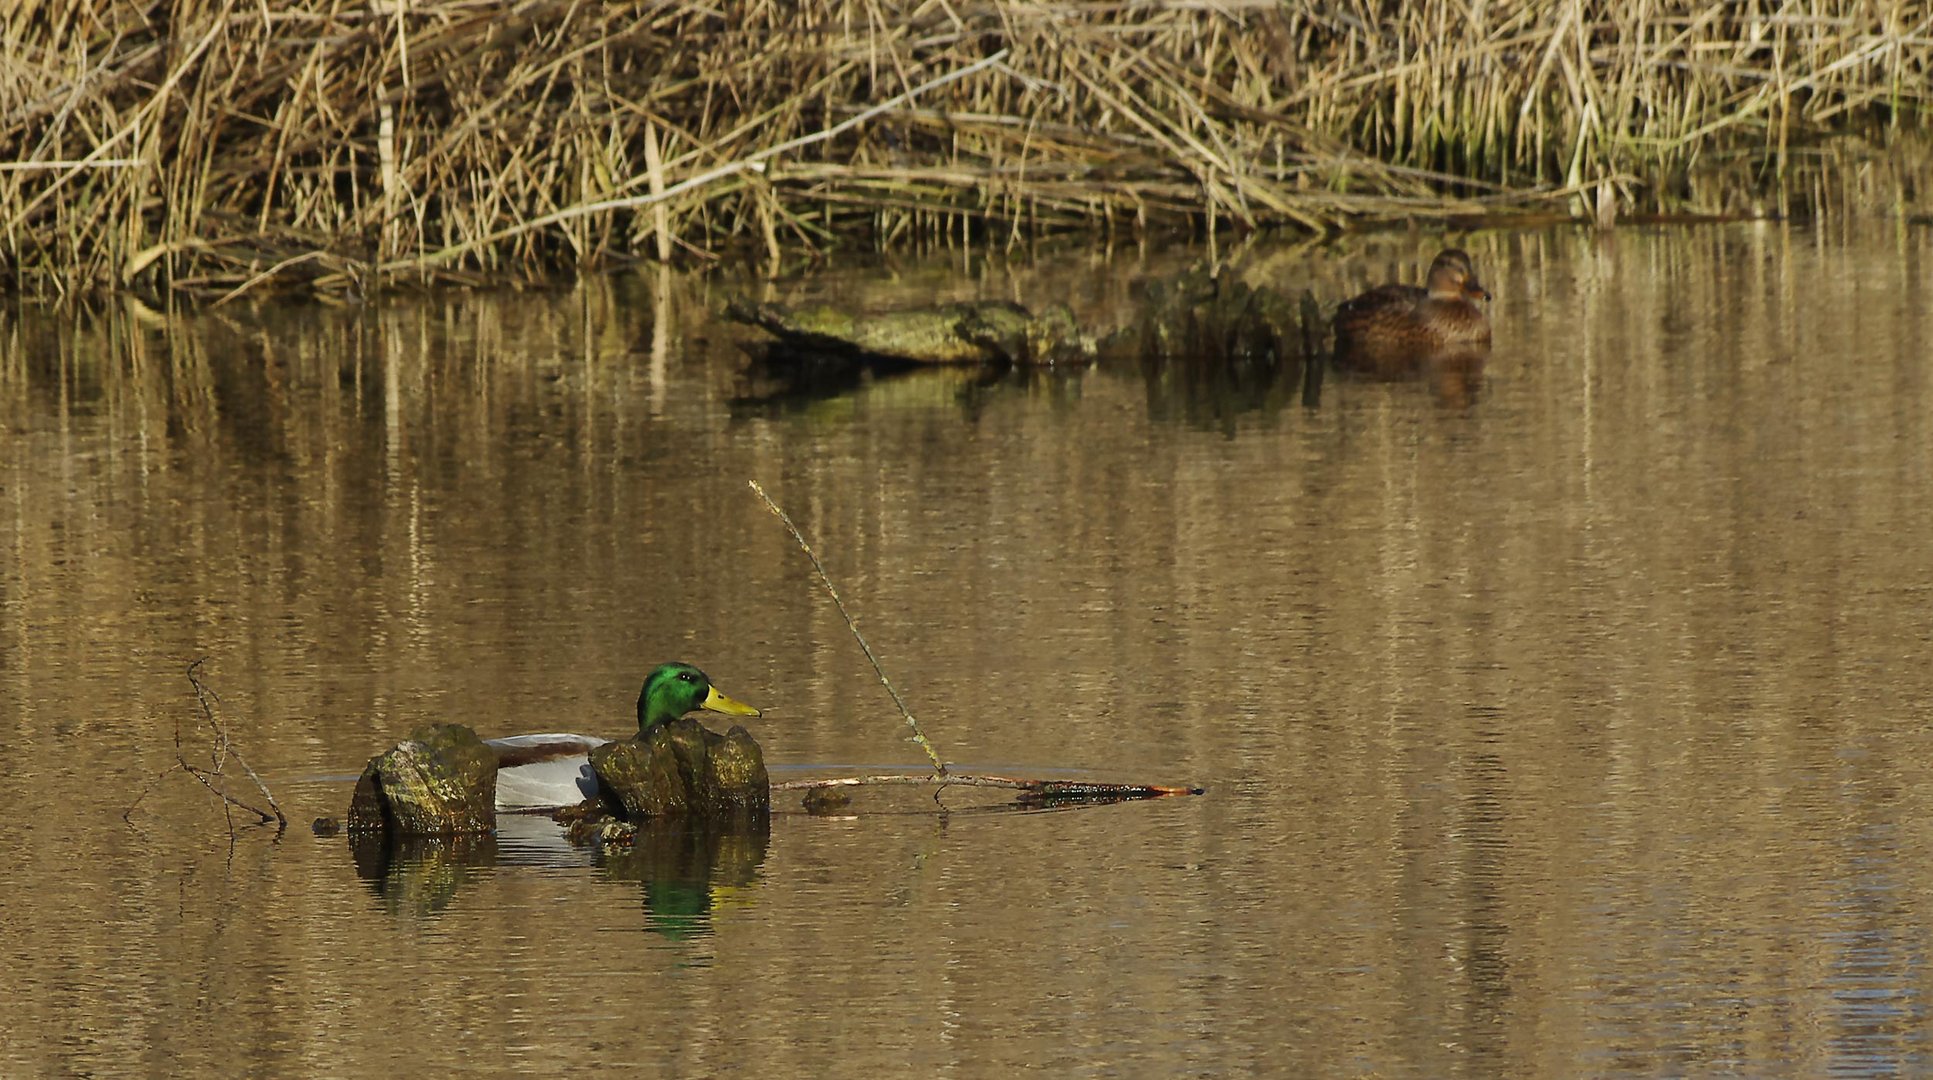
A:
[(1452, 277)]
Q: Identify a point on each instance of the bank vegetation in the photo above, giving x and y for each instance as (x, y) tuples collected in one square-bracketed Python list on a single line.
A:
[(216, 146)]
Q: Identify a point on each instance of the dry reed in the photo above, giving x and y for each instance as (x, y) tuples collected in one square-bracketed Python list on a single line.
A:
[(207, 146)]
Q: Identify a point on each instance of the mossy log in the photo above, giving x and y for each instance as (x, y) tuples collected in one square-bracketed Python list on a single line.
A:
[(1216, 318), (441, 781), (979, 332), (684, 770)]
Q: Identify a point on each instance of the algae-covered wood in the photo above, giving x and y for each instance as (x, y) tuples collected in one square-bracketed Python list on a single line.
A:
[(978, 332), (683, 769), (440, 781)]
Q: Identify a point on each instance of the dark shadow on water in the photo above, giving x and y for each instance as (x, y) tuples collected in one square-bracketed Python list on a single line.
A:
[(1214, 395), (778, 380), (1209, 394)]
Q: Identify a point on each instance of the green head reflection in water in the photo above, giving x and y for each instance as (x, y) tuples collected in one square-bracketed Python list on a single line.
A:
[(672, 690)]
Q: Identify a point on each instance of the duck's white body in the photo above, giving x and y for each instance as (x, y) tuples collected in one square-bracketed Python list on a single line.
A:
[(544, 772)]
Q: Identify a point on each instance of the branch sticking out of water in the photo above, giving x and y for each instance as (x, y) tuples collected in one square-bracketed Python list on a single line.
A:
[(219, 753), (939, 767)]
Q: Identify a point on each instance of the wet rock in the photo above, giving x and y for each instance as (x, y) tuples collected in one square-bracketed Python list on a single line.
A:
[(1017, 336), (684, 770), (441, 781)]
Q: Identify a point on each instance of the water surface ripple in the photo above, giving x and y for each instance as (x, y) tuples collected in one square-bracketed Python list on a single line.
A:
[(1571, 726)]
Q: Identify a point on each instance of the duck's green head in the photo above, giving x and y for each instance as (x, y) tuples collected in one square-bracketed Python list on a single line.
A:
[(676, 689)]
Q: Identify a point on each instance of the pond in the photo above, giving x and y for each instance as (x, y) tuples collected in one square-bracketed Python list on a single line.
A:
[(1573, 723)]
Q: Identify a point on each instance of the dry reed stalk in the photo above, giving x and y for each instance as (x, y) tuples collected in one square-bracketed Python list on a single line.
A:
[(209, 146)]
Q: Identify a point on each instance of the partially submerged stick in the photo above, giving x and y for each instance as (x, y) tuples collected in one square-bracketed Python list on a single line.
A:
[(939, 767), (225, 749), (1064, 789), (219, 753)]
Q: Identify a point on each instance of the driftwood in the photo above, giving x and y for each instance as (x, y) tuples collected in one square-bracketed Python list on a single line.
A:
[(1046, 789), (983, 332)]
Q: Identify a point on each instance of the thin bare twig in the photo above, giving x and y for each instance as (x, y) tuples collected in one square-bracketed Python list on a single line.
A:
[(227, 749), (939, 767), (219, 753)]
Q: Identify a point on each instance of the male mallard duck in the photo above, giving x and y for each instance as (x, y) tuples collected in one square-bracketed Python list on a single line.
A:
[(1393, 320), (546, 772)]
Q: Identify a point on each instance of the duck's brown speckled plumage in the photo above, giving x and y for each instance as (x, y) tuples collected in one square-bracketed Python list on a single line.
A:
[(1392, 320)]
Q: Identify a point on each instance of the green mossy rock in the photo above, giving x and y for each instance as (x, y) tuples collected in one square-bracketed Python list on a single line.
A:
[(441, 781), (684, 770)]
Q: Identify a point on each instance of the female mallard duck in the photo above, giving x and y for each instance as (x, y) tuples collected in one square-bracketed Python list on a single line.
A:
[(546, 772), (1393, 320)]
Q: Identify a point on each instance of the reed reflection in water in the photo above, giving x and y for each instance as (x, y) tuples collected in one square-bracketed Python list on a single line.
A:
[(1571, 727)]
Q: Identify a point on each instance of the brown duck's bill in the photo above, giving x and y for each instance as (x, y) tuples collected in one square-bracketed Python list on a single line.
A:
[(1476, 290), (719, 703)]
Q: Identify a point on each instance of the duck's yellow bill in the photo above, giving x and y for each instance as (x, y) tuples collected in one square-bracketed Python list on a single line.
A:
[(719, 703)]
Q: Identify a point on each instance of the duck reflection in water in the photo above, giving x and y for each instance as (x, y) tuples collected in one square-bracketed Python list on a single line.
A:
[(687, 870), (1436, 332)]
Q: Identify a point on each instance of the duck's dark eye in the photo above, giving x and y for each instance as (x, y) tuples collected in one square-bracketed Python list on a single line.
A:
[(686, 676)]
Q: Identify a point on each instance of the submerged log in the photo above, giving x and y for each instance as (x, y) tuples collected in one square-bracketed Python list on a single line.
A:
[(1201, 317), (441, 781), (978, 332), (819, 793), (684, 770)]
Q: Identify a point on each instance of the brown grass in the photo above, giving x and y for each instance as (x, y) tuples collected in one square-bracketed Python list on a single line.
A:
[(208, 146)]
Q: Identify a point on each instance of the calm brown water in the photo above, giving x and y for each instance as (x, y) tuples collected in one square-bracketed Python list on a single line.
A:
[(1576, 730)]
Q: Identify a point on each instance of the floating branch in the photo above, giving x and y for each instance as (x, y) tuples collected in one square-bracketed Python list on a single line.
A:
[(1049, 789), (939, 767)]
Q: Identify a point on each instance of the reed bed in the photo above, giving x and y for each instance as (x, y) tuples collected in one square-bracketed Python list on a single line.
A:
[(213, 146)]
